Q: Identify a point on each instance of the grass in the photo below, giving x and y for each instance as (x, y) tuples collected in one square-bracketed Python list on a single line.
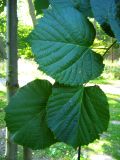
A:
[(108, 143), (103, 80), (114, 101)]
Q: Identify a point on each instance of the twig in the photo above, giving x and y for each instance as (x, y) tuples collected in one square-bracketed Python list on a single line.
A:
[(79, 152), (99, 48), (109, 48)]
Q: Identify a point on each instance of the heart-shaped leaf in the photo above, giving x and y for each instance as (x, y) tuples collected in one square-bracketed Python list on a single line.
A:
[(77, 115), (60, 43), (26, 115)]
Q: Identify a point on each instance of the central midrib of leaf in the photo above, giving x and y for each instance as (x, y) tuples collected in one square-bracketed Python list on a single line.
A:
[(95, 113), (63, 42), (78, 101), (71, 63), (76, 58)]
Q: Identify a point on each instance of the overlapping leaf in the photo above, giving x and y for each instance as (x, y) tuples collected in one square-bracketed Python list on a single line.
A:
[(61, 3), (26, 116), (114, 18), (84, 7), (60, 43), (108, 15), (77, 115)]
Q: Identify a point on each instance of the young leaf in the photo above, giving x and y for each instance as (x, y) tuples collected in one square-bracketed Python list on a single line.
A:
[(108, 15), (26, 115), (60, 43), (77, 115)]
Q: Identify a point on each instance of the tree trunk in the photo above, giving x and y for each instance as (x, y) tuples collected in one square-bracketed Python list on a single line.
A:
[(12, 66), (27, 153), (32, 12)]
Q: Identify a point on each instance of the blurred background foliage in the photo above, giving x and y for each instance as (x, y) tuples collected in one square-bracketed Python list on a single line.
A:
[(23, 32)]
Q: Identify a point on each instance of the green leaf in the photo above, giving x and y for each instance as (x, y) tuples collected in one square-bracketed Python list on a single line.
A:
[(40, 5), (26, 115), (84, 7), (61, 3), (114, 18), (60, 43), (77, 115), (108, 15)]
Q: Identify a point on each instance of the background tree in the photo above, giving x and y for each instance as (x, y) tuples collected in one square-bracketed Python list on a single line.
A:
[(32, 12)]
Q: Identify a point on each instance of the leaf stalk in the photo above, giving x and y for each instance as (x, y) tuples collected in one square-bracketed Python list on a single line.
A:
[(109, 47), (79, 152)]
